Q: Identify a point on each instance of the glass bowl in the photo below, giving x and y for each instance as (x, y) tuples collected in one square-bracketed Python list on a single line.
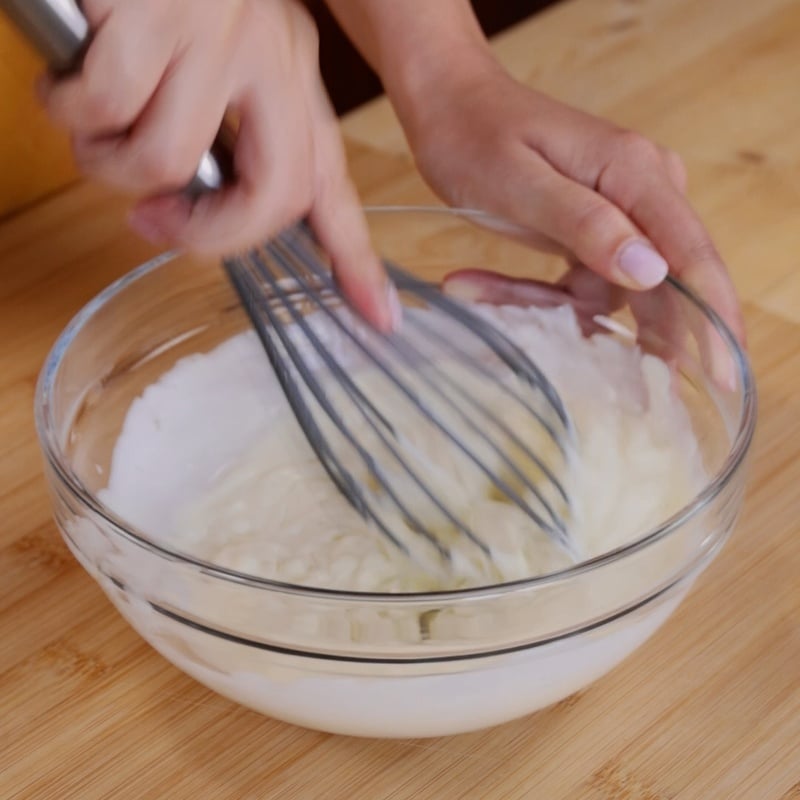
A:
[(359, 663)]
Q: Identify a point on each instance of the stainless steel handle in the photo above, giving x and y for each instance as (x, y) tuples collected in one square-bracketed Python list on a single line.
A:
[(60, 32)]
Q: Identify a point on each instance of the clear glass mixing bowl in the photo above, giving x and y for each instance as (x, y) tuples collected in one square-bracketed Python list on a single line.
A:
[(371, 664)]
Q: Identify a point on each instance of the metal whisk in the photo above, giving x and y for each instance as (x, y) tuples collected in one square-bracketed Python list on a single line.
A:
[(294, 305), (449, 369)]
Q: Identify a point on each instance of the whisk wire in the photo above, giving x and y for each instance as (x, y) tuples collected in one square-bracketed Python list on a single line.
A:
[(301, 241), (474, 426), (511, 354), (293, 258), (255, 304), (298, 248), (555, 528), (512, 436), (355, 393), (475, 365)]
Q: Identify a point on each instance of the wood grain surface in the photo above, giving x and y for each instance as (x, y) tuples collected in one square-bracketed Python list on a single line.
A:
[(709, 709)]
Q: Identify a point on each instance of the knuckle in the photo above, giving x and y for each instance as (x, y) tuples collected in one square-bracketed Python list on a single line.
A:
[(701, 250), (594, 221), (160, 166), (638, 149), (101, 107), (676, 168)]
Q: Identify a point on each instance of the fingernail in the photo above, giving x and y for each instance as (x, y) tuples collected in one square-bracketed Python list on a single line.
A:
[(642, 265), (395, 307), (724, 375), (462, 289), (722, 365)]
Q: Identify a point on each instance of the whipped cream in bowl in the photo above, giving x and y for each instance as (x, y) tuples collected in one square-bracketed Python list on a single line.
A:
[(186, 488)]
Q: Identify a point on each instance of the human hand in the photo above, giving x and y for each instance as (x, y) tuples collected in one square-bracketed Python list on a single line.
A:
[(607, 198), (664, 326), (156, 82)]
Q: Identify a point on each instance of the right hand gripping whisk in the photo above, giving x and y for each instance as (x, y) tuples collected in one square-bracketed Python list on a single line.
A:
[(449, 381)]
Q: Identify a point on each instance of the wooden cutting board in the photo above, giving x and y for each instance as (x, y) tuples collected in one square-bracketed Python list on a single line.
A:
[(709, 709)]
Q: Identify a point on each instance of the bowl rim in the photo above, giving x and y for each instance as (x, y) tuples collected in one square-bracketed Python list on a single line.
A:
[(45, 426)]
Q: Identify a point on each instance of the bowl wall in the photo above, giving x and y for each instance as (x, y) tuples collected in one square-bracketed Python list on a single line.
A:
[(430, 664)]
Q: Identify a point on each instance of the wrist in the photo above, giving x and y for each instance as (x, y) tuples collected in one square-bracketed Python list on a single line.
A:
[(428, 54), (420, 49), (421, 83)]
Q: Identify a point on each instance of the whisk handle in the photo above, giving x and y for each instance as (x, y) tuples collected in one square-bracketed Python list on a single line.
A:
[(60, 32)]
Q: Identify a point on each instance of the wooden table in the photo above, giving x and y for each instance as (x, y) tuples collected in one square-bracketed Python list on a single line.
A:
[(709, 709)]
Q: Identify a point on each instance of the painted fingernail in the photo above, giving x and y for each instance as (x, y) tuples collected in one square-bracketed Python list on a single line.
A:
[(722, 365), (463, 289), (642, 265), (395, 307)]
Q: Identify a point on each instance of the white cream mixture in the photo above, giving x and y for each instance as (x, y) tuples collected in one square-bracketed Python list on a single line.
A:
[(212, 460)]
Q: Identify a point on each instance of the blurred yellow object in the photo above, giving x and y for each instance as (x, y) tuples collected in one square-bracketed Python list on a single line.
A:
[(34, 157)]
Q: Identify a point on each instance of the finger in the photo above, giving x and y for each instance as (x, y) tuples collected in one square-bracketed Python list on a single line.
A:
[(665, 322), (660, 327), (340, 224), (682, 238), (596, 291), (593, 300), (484, 286), (680, 235), (588, 294), (338, 221), (588, 225), (273, 164), (676, 170), (120, 73), (163, 150)]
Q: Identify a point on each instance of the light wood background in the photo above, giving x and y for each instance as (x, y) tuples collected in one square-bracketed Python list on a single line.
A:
[(709, 709)]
